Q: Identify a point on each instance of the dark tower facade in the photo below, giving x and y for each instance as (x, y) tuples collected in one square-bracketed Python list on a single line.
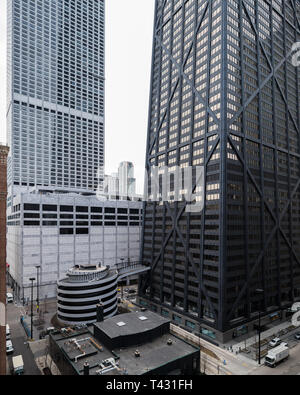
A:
[(225, 95)]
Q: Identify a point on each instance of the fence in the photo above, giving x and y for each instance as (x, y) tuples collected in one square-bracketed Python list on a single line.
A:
[(25, 326)]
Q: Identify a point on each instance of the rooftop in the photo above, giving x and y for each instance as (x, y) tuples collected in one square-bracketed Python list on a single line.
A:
[(131, 323), (80, 347)]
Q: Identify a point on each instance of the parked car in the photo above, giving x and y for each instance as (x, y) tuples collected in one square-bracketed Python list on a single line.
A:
[(9, 298), (9, 347), (275, 342), (7, 332), (297, 336)]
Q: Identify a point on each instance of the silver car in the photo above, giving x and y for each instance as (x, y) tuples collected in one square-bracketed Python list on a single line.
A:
[(275, 342)]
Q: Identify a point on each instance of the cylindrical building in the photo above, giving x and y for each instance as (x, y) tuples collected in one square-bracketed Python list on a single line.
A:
[(81, 291)]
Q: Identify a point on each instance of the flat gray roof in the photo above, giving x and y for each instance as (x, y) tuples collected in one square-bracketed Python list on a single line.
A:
[(131, 323), (154, 354)]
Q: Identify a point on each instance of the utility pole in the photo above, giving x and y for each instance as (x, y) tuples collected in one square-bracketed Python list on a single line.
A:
[(32, 280), (3, 197), (38, 290), (259, 292), (122, 260)]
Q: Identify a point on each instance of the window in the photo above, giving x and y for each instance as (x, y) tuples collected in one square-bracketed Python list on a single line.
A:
[(31, 207), (110, 210), (96, 209), (176, 318), (67, 208), (47, 207), (190, 324), (82, 209)]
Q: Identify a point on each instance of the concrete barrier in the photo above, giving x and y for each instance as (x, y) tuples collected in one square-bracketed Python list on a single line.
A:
[(211, 363)]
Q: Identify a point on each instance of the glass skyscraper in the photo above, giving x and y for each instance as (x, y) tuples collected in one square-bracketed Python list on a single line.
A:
[(55, 111), (226, 96)]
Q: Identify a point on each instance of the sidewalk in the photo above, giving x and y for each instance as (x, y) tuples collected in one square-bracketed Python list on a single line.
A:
[(272, 332)]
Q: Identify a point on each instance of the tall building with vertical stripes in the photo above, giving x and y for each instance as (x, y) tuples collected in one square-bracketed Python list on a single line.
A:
[(3, 196), (55, 113), (55, 126), (225, 95)]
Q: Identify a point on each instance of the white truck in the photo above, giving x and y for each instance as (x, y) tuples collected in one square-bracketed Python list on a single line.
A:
[(277, 355), (18, 365)]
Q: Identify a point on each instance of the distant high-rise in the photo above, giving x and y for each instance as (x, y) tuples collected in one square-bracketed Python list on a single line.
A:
[(111, 184), (225, 95), (126, 179), (55, 113)]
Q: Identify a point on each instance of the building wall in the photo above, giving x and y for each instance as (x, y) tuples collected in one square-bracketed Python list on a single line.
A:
[(225, 96), (31, 243), (3, 195)]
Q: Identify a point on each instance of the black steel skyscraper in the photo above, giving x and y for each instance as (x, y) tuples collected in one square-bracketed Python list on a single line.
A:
[(225, 95)]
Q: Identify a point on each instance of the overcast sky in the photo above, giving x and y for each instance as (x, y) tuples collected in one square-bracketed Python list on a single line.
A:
[(129, 26)]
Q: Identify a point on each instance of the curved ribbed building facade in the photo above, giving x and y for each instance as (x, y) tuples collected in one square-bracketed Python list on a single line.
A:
[(80, 292)]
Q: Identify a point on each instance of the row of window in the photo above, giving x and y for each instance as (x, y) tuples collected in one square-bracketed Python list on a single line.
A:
[(79, 209)]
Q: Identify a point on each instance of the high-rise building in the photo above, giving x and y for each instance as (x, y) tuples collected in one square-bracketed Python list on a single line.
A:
[(55, 113), (126, 179), (225, 95), (55, 123), (3, 196), (111, 184)]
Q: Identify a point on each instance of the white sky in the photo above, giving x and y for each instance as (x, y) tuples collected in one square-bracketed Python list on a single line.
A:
[(129, 25)]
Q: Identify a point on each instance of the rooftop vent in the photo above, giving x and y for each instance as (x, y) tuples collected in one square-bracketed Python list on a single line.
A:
[(137, 354), (170, 342), (143, 318), (121, 323)]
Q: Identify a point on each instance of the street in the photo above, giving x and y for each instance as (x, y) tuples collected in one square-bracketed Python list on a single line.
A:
[(290, 367), (19, 341)]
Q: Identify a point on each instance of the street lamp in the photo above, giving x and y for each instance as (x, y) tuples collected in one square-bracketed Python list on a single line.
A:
[(37, 294), (122, 259), (32, 280), (259, 292)]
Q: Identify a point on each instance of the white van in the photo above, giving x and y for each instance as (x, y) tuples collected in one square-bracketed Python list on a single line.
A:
[(7, 332), (9, 298)]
